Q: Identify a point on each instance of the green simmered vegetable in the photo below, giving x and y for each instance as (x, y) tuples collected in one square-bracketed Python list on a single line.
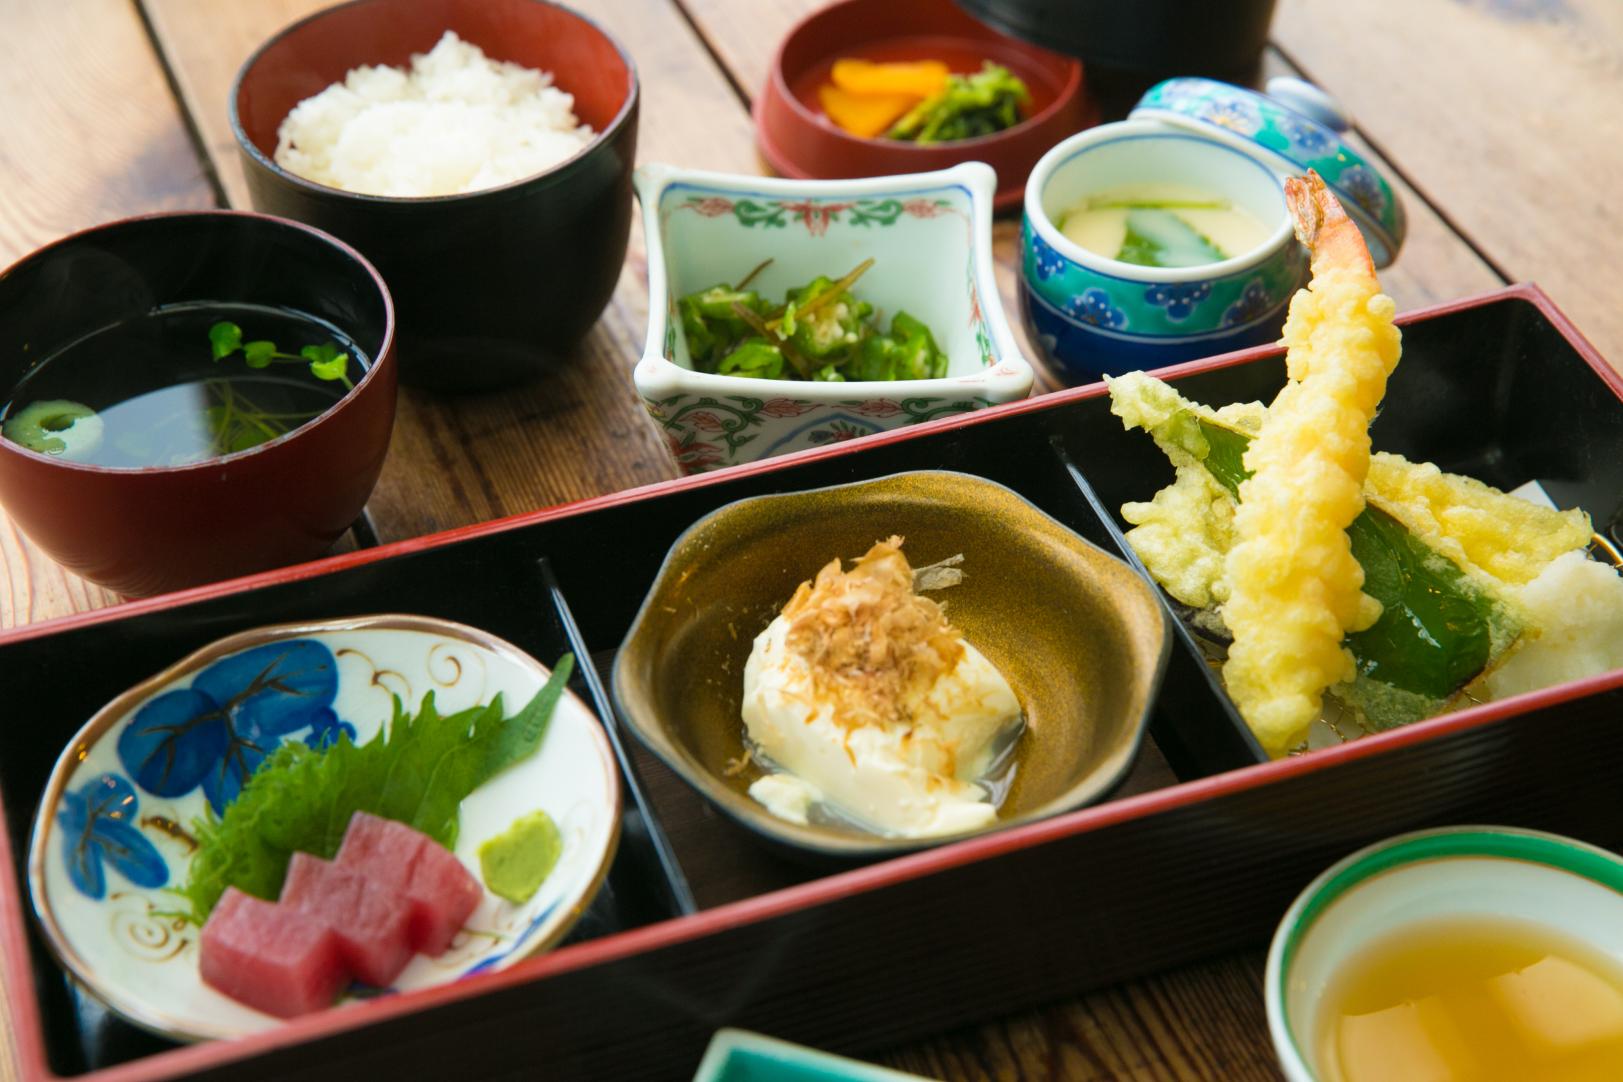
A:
[(416, 771), (970, 106), (515, 862), (821, 332)]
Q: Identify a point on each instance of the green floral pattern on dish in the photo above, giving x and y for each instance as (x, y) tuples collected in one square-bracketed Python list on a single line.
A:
[(707, 432), (816, 215)]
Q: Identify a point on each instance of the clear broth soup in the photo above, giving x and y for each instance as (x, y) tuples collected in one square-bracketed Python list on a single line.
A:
[(148, 391), (1473, 1001)]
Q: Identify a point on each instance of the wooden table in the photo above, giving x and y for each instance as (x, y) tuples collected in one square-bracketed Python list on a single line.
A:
[(1497, 118)]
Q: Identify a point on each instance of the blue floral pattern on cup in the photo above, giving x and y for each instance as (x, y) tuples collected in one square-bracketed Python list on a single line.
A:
[(1236, 114), (99, 826), (1302, 142), (1253, 303), (1178, 299), (1307, 136), (1047, 261), (1094, 307), (1364, 186), (218, 731)]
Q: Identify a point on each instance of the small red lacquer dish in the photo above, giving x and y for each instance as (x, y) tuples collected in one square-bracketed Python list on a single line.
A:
[(797, 138)]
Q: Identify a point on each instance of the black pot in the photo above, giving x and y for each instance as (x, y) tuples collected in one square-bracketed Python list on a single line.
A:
[(1130, 44), (490, 287)]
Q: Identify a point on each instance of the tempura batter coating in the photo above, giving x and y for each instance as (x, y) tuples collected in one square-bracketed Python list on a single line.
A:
[(1295, 589)]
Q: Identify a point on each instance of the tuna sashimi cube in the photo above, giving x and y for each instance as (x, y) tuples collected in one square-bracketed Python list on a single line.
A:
[(371, 922), (445, 893), (273, 958), (441, 892)]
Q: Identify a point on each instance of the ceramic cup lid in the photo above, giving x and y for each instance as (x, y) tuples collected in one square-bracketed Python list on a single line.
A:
[(1293, 128)]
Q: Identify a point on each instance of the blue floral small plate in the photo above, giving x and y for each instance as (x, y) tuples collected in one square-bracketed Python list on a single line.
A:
[(113, 833)]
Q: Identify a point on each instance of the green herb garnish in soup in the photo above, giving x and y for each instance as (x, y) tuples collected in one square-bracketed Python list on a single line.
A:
[(181, 384), (821, 331), (1162, 225)]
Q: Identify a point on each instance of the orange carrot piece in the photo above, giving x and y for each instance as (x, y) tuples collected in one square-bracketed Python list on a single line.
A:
[(863, 115), (919, 78)]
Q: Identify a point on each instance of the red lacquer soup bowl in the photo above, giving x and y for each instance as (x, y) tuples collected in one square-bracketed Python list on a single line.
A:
[(147, 529)]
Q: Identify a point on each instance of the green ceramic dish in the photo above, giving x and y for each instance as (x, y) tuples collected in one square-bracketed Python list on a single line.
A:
[(1080, 637), (1573, 888), (737, 1055)]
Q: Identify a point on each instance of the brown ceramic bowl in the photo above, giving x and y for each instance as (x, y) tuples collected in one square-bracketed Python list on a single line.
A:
[(492, 286), (145, 531), (798, 140), (1080, 637)]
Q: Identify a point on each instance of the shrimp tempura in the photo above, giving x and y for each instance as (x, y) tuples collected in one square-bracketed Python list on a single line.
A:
[(1295, 589)]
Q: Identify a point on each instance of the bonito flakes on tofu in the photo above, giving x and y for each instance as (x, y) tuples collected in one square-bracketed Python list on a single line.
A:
[(1317, 570)]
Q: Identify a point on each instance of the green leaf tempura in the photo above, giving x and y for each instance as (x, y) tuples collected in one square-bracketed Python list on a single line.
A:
[(417, 770)]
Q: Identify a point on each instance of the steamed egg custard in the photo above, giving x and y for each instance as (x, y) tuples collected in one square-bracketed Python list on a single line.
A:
[(862, 698), (1162, 225)]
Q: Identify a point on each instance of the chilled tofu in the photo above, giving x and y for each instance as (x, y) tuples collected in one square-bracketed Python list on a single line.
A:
[(865, 700), (273, 958)]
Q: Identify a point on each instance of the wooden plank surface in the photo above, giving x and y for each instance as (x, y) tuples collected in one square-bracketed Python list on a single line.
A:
[(579, 432), (1436, 263), (1504, 113), (91, 133)]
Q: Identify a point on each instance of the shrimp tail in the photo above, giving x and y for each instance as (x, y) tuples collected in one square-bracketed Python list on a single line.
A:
[(1323, 226)]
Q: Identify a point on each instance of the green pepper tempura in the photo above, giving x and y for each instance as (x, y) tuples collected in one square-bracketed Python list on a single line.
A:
[(820, 332), (971, 106)]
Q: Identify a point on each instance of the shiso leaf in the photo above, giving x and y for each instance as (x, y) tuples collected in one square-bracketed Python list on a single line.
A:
[(417, 771)]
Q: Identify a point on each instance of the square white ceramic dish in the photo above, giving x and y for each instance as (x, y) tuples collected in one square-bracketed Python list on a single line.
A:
[(930, 236)]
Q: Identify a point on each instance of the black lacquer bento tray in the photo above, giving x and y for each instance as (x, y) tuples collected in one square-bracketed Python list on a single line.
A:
[(1198, 852)]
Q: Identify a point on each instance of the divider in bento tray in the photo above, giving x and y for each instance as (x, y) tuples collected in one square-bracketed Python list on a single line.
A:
[(1494, 391), (643, 884)]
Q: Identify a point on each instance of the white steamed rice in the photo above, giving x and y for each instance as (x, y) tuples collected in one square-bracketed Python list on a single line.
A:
[(457, 122)]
